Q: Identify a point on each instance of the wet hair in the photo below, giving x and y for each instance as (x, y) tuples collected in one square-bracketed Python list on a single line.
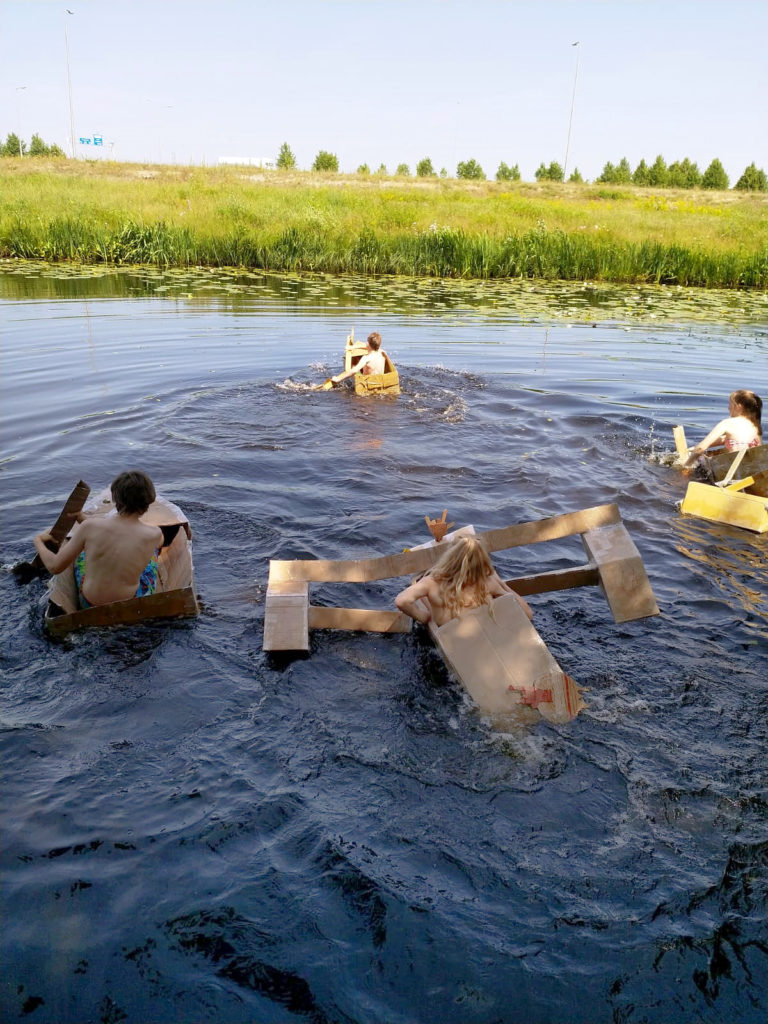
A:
[(132, 492), (751, 407), (374, 340), (466, 563)]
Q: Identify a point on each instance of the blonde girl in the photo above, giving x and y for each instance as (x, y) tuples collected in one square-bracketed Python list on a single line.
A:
[(742, 429), (462, 579)]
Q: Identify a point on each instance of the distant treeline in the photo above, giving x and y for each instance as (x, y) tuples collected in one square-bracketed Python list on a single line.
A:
[(679, 174), (14, 146)]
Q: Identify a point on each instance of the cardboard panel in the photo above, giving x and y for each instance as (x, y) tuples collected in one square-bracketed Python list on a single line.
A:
[(622, 573), (733, 508), (66, 520), (286, 616), (173, 604), (421, 558), (558, 579), (359, 619), (755, 462), (501, 660)]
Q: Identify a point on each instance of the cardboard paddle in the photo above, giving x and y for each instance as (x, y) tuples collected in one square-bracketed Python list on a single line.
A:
[(25, 571)]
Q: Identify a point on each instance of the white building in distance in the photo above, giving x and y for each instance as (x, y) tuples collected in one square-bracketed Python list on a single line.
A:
[(248, 161)]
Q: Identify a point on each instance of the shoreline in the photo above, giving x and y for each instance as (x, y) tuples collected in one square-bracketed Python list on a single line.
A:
[(227, 216)]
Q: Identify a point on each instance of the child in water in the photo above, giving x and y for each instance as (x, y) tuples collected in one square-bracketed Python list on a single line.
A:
[(462, 579), (372, 362), (121, 551), (742, 429)]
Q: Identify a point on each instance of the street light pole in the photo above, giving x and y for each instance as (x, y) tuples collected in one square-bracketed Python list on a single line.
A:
[(573, 101), (69, 83), (19, 89)]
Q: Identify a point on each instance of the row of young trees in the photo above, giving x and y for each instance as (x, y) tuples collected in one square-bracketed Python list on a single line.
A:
[(14, 146), (467, 169), (682, 174), (679, 174)]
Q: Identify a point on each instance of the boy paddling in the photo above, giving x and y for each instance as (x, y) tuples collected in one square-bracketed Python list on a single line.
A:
[(115, 555), (373, 361)]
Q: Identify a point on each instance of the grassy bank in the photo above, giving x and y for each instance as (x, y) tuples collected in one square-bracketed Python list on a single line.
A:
[(228, 216)]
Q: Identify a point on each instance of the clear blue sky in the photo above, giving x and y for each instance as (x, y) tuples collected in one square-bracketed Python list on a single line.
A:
[(391, 81)]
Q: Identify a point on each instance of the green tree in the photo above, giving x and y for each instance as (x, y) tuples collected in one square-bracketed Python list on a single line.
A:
[(403, 170), (443, 172), (382, 170), (506, 173), (470, 170), (576, 177), (363, 169), (623, 172), (752, 180), (683, 174), (552, 173), (658, 175), (325, 161), (37, 147), (608, 174), (55, 150), (641, 174), (424, 168), (715, 176), (286, 161), (13, 146)]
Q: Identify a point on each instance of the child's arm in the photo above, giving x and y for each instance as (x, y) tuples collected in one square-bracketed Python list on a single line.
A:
[(67, 553), (357, 368), (408, 600), (716, 434)]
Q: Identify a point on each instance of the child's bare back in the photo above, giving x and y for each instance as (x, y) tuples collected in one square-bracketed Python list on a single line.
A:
[(114, 555)]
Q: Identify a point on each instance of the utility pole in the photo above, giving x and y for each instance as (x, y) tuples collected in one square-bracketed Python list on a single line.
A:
[(19, 89), (570, 121), (69, 83)]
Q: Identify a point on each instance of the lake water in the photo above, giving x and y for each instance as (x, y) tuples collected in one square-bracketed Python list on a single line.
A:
[(197, 832)]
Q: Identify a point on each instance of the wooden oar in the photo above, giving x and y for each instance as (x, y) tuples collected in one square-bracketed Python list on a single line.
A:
[(25, 571), (325, 386)]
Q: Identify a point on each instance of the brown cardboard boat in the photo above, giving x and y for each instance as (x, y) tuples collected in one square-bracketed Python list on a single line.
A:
[(496, 654), (175, 599)]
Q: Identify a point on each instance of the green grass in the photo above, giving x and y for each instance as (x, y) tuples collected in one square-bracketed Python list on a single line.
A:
[(294, 221)]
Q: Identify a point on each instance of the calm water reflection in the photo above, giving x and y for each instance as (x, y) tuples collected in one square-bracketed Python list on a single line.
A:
[(195, 832)]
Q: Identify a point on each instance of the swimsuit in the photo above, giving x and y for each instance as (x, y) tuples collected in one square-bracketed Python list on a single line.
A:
[(735, 446), (148, 580)]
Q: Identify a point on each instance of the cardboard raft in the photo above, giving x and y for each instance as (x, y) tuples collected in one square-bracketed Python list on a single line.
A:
[(499, 658), (737, 486), (175, 599), (371, 383)]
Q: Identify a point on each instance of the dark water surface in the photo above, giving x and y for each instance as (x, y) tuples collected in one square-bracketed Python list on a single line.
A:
[(196, 832)]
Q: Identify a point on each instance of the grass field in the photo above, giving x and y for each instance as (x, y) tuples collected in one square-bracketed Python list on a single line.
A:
[(101, 212)]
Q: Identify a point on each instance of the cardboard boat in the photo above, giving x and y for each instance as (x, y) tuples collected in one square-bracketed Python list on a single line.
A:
[(735, 490), (175, 599), (497, 656), (387, 383)]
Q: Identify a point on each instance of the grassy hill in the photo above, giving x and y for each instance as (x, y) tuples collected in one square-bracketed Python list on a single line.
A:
[(101, 212)]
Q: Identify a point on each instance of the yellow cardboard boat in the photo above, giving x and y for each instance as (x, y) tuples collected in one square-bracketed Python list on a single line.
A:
[(387, 383), (736, 490)]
